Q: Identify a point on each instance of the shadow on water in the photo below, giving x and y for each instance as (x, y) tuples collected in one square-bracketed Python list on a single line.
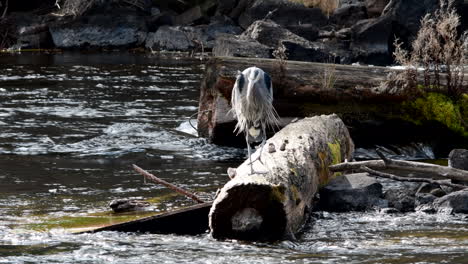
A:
[(71, 125)]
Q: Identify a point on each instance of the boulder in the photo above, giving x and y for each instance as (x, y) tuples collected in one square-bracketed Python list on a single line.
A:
[(352, 192), (458, 158), (375, 7), (236, 46), (171, 38), (424, 199), (306, 31), (370, 41), (103, 30), (287, 13), (348, 15), (401, 199), (456, 202)]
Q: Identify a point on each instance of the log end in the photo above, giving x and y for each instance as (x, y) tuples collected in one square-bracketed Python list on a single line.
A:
[(258, 215)]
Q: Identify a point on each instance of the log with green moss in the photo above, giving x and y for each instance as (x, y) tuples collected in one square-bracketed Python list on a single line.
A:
[(357, 94), (273, 205)]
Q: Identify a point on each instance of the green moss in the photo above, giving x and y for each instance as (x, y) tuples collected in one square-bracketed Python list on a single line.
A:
[(440, 108), (87, 221), (278, 193), (335, 151)]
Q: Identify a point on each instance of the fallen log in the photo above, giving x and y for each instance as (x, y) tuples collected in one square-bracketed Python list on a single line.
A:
[(304, 89), (273, 205), (403, 165), (410, 179)]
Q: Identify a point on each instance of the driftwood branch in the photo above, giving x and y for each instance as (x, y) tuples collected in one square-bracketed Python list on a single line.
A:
[(406, 179), (413, 166), (171, 186)]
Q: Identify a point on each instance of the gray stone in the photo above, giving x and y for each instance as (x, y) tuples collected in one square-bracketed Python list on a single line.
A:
[(170, 39), (424, 198), (401, 199), (235, 46), (287, 13), (126, 205), (376, 7), (458, 158), (427, 187), (348, 15), (101, 31), (353, 192), (456, 202)]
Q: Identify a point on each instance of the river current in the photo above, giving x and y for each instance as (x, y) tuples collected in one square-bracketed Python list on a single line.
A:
[(71, 126)]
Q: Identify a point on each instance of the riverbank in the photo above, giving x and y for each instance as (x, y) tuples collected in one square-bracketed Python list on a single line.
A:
[(355, 31)]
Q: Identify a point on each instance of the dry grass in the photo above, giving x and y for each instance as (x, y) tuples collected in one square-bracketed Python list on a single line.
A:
[(438, 51), (327, 6), (329, 75)]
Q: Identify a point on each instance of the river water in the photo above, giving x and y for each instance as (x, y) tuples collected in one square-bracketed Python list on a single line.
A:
[(71, 125)]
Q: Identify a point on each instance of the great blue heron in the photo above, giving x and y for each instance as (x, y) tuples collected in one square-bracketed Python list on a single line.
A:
[(251, 101)]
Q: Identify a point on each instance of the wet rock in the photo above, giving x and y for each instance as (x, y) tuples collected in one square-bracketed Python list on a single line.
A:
[(401, 199), (427, 188), (348, 15), (458, 158), (236, 46), (389, 210), (126, 205), (288, 13), (353, 192), (424, 198), (104, 30), (456, 202)]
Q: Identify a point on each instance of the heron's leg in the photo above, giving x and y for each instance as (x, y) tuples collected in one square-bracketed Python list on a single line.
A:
[(259, 157), (249, 152)]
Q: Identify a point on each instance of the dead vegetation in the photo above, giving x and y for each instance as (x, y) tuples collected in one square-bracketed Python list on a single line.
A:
[(439, 53), (327, 6)]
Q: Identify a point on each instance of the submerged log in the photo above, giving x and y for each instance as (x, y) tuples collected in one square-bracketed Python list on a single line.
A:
[(273, 205), (190, 220)]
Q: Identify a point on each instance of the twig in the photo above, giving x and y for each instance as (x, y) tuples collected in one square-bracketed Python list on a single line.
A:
[(5, 10), (171, 186), (405, 179), (196, 113)]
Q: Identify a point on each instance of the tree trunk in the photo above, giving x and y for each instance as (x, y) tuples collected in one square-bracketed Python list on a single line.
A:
[(273, 205)]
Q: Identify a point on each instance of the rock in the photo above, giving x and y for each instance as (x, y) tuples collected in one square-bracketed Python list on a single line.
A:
[(389, 210), (104, 30), (406, 16), (427, 187), (126, 205), (456, 202), (370, 41), (177, 38), (353, 192), (375, 7), (235, 46), (348, 15), (189, 16), (306, 31), (424, 198), (170, 38), (401, 199), (287, 13), (313, 52), (458, 158), (269, 33), (438, 192)]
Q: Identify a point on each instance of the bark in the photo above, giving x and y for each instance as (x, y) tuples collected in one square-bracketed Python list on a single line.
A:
[(273, 205)]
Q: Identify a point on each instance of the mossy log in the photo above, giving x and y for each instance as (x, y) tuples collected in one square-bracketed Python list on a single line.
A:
[(304, 89), (273, 205)]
